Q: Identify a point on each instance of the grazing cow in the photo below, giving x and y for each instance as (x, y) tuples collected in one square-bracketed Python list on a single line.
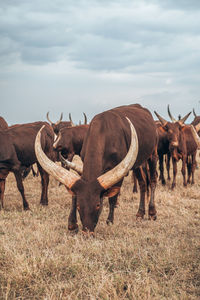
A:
[(181, 144), (113, 146), (17, 153)]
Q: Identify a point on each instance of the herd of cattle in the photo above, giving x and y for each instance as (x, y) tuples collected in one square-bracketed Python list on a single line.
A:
[(115, 142)]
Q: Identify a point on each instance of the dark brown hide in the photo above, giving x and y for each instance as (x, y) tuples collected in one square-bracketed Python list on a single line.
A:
[(105, 145), (17, 153), (180, 138), (70, 140), (163, 149)]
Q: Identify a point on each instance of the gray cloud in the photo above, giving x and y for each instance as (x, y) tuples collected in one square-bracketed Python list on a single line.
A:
[(90, 55)]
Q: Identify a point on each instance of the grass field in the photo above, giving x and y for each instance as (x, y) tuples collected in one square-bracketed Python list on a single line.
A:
[(40, 259)]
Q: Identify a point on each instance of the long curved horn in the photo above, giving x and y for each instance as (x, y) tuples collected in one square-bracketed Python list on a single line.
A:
[(163, 121), (182, 121), (170, 115), (85, 119), (49, 119), (118, 172), (194, 113), (195, 135), (70, 118), (59, 173), (61, 116), (76, 167)]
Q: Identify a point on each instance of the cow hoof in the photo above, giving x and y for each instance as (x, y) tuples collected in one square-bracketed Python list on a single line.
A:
[(140, 216), (109, 222), (44, 203), (73, 228), (152, 217), (26, 208), (139, 219)]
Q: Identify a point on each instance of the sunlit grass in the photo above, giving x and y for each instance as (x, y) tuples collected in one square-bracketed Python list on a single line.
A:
[(40, 259)]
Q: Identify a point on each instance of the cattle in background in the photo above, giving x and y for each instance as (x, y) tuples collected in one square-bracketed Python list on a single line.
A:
[(3, 126), (111, 148), (190, 147), (17, 153), (59, 124), (196, 121), (163, 151), (181, 146), (63, 124), (70, 140)]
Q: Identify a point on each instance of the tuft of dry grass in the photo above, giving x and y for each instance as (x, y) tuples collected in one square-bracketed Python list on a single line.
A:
[(40, 259)]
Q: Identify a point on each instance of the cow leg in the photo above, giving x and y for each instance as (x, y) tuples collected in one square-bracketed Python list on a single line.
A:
[(183, 170), (112, 205), (168, 166), (153, 181), (174, 163), (135, 190), (44, 183), (143, 187), (2, 190), (72, 219), (194, 164), (161, 167), (189, 168), (20, 186)]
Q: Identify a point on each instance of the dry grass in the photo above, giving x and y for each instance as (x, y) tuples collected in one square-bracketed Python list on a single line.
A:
[(40, 259)]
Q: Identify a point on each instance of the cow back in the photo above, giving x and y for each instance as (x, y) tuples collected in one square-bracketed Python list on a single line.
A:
[(108, 138), (23, 138)]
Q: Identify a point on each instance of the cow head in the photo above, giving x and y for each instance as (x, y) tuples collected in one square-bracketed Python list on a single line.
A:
[(55, 126), (59, 124), (90, 193), (63, 143)]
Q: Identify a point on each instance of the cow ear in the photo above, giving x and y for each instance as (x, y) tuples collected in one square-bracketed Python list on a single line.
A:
[(112, 191)]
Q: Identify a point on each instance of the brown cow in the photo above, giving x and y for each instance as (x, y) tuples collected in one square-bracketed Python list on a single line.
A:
[(3, 126), (70, 140), (181, 144), (191, 147), (163, 150), (17, 153), (109, 151)]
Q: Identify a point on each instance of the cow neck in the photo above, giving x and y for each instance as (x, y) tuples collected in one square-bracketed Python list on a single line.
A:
[(94, 154)]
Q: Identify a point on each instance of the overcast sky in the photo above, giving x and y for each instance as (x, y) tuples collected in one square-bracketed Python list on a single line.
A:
[(92, 55)]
